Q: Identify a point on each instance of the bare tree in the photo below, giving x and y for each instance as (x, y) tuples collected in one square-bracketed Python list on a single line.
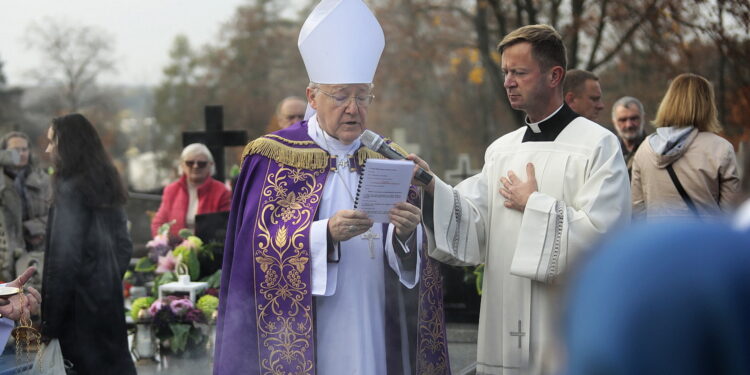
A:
[(2, 75), (73, 57)]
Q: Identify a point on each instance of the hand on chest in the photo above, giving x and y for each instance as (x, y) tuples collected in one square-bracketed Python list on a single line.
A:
[(557, 174)]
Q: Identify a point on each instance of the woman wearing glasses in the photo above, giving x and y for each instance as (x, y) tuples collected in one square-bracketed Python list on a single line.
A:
[(196, 192)]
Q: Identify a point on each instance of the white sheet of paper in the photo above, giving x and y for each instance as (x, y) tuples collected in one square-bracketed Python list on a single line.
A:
[(383, 184)]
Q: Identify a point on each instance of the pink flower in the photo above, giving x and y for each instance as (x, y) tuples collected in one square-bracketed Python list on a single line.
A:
[(158, 241), (155, 307), (166, 263), (181, 306)]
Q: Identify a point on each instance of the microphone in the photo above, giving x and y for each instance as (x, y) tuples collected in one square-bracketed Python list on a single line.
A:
[(377, 144)]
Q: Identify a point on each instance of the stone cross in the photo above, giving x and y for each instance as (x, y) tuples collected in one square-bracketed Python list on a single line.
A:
[(399, 136), (371, 237), (519, 334), (463, 170), (215, 137)]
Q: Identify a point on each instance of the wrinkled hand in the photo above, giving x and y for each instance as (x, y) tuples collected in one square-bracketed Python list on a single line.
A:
[(345, 224), (517, 192), (11, 307), (33, 301), (405, 217), (423, 164)]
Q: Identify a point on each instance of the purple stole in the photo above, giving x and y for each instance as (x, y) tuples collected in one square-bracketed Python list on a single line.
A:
[(266, 316)]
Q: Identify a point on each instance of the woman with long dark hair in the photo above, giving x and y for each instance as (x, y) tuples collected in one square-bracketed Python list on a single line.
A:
[(88, 251)]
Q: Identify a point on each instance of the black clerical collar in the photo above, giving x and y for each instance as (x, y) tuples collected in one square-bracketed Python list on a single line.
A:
[(551, 127)]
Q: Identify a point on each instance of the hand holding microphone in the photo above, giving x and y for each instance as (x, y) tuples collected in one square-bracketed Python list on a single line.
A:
[(377, 144)]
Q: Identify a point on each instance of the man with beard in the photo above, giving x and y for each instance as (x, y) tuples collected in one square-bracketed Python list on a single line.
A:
[(628, 118)]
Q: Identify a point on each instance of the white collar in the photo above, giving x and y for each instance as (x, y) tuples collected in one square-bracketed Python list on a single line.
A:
[(328, 143), (535, 125)]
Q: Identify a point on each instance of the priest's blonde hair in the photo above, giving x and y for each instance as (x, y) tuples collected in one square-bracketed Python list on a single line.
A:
[(689, 101), (547, 46)]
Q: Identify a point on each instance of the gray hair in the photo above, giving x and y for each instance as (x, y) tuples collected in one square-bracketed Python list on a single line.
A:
[(627, 101), (199, 148)]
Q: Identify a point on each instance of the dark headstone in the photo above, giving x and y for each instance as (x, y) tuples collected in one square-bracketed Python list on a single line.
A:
[(215, 137)]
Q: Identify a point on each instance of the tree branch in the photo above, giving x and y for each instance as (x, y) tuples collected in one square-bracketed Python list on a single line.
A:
[(626, 37), (599, 32)]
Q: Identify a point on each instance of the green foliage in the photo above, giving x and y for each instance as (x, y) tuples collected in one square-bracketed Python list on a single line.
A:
[(190, 258), (185, 233), (145, 265), (180, 335), (207, 304), (166, 277), (214, 280), (140, 304), (234, 171), (164, 228), (479, 273)]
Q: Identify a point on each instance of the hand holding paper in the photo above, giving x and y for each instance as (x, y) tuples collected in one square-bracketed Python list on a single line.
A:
[(383, 184)]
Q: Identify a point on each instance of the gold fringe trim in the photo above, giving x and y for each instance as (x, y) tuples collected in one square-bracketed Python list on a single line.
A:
[(365, 153), (289, 141), (396, 147), (306, 158)]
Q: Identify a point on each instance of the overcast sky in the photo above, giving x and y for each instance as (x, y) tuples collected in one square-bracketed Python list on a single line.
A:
[(143, 31)]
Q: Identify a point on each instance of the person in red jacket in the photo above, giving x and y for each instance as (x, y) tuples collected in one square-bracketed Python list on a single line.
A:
[(196, 192)]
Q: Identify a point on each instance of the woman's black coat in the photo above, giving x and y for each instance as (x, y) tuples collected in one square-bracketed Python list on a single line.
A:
[(87, 254)]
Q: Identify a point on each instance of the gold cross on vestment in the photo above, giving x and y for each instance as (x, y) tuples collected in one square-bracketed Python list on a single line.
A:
[(370, 236)]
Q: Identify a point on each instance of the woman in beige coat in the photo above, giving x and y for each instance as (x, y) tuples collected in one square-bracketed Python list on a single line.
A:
[(704, 164)]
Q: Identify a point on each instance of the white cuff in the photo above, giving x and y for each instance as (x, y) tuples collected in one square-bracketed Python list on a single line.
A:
[(323, 275), (410, 277)]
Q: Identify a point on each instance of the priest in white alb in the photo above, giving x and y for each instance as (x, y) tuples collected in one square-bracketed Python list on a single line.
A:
[(310, 285), (546, 192)]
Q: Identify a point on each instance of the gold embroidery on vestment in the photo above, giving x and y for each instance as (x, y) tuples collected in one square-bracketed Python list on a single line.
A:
[(284, 320)]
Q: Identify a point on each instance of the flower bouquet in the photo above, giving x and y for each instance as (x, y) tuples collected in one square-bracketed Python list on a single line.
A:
[(201, 261), (179, 324)]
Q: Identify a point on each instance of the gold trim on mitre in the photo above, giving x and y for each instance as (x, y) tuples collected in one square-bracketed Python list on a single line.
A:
[(305, 158)]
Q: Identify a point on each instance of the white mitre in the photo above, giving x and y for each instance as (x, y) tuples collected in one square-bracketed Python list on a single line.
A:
[(341, 42)]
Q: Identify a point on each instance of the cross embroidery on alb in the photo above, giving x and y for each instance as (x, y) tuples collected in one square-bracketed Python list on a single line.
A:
[(519, 334), (370, 236)]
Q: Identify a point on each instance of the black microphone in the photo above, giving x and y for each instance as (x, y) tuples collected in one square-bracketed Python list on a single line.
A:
[(377, 144)]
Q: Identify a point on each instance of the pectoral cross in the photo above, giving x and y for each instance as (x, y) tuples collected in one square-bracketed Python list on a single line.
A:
[(370, 236)]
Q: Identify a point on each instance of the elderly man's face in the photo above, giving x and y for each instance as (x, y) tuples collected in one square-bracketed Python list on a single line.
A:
[(290, 112), (627, 121), (342, 109), (588, 103), (22, 147)]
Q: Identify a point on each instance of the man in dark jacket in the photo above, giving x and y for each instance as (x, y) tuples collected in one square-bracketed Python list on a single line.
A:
[(24, 202)]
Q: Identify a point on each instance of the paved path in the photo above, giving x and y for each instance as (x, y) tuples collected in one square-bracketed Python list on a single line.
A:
[(462, 345)]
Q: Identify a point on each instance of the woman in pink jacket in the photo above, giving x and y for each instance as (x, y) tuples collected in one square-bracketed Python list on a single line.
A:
[(196, 192)]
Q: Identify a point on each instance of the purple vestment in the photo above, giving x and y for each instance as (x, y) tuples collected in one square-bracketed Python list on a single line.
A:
[(266, 316)]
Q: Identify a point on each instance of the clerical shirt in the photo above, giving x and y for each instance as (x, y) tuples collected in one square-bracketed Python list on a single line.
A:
[(583, 191)]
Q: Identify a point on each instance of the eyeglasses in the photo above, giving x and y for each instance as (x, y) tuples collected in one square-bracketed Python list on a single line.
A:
[(292, 117), (196, 163), (342, 100)]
